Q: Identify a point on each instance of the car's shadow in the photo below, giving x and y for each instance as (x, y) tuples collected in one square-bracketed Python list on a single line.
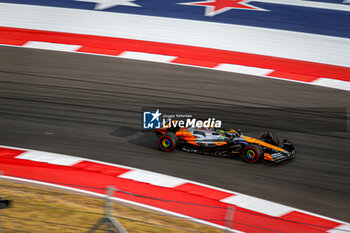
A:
[(135, 136)]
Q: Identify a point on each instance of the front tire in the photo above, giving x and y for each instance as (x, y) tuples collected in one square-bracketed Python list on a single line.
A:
[(253, 154), (167, 142)]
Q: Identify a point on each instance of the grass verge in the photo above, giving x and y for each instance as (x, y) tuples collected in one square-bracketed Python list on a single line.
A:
[(42, 209)]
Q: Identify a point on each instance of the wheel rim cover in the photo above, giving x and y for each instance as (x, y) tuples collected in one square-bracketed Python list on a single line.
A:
[(166, 143), (250, 154)]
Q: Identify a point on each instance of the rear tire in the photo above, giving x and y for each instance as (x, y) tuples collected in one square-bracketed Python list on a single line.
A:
[(167, 142), (253, 154), (270, 138)]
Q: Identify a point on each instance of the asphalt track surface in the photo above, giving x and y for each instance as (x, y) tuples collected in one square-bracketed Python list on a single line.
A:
[(90, 106)]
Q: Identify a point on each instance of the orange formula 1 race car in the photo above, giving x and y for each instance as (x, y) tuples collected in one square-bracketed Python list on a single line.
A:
[(219, 142)]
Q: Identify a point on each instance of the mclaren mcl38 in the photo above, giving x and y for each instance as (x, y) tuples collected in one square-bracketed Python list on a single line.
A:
[(220, 142)]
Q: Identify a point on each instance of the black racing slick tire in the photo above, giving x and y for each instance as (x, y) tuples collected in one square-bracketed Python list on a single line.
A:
[(167, 142), (253, 154), (270, 138)]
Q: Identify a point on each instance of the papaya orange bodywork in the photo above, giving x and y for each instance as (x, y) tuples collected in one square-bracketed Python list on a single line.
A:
[(220, 143), (267, 156), (261, 143)]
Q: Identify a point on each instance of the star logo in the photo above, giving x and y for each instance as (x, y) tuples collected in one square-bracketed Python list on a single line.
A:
[(105, 4), (151, 119), (156, 115), (215, 7)]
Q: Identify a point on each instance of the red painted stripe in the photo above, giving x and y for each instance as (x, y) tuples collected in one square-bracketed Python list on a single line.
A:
[(101, 168), (293, 76), (187, 54), (17, 42), (10, 153), (314, 221), (203, 191)]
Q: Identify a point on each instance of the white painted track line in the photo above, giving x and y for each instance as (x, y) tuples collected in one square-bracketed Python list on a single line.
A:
[(340, 229), (243, 69), (258, 205), (153, 178), (51, 158), (147, 56), (51, 46), (332, 83)]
